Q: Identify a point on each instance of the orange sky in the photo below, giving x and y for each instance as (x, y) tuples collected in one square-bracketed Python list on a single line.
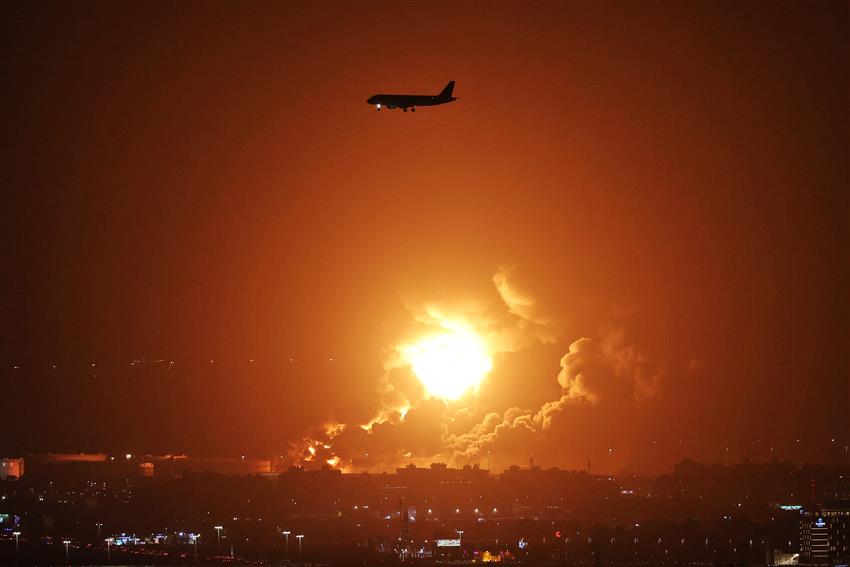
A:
[(205, 181)]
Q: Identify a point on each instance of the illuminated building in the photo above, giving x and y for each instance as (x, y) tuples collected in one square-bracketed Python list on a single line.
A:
[(11, 469), (824, 534)]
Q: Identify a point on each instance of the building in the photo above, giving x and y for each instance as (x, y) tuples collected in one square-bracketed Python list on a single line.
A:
[(11, 469), (824, 535)]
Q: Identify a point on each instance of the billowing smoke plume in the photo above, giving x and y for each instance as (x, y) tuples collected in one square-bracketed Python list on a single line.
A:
[(597, 376), (591, 372), (531, 323), (608, 368)]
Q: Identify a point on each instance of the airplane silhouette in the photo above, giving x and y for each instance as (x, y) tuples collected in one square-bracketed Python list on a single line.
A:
[(412, 101)]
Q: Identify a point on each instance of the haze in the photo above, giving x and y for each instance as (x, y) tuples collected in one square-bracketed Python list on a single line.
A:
[(642, 208)]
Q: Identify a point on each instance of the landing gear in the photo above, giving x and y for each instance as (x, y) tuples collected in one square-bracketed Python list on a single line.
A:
[(404, 109)]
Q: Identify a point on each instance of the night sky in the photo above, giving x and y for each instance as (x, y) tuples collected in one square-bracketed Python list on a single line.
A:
[(195, 182)]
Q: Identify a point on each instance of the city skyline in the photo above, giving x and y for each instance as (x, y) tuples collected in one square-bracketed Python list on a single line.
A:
[(88, 510)]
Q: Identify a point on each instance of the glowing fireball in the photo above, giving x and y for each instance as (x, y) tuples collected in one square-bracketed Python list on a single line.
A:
[(450, 363)]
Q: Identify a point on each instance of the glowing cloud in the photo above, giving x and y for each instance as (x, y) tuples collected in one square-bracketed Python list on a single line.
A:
[(450, 363), (445, 351)]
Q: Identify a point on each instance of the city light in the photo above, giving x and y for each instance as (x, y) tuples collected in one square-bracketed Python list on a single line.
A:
[(286, 536)]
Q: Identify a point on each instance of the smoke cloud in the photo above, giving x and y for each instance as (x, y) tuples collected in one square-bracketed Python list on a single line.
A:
[(598, 378)]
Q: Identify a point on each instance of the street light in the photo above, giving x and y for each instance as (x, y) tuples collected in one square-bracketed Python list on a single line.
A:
[(299, 537), (17, 535), (67, 543), (218, 534), (99, 525), (286, 535), (195, 541), (109, 541)]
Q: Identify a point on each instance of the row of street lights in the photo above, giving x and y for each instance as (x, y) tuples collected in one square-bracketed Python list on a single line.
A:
[(67, 543), (286, 533), (17, 535), (299, 537), (109, 541)]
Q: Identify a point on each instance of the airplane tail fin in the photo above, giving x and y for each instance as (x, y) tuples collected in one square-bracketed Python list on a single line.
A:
[(447, 92)]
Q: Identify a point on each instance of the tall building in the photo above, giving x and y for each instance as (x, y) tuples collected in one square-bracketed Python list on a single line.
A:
[(824, 534)]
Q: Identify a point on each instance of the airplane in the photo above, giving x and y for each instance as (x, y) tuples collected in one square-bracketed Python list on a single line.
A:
[(412, 101)]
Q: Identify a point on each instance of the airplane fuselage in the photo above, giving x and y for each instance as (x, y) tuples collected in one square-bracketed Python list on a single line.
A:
[(406, 102)]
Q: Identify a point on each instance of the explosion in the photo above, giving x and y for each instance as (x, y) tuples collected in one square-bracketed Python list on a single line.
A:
[(445, 355), (450, 363)]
